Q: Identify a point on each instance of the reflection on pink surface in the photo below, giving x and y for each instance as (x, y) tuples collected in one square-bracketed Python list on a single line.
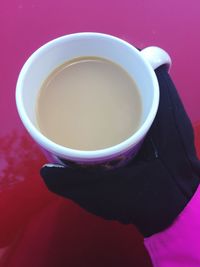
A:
[(36, 227), (22, 192)]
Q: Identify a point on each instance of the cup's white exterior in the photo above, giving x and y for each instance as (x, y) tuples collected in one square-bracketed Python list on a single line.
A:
[(140, 65)]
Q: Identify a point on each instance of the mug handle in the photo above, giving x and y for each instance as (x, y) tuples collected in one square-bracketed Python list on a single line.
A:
[(156, 57)]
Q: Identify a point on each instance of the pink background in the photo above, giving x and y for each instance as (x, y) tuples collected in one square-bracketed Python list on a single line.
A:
[(38, 229)]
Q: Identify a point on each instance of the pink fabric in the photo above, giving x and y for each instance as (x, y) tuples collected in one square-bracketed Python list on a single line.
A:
[(178, 245)]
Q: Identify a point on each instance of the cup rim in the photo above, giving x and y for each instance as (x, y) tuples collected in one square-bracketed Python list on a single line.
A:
[(81, 154)]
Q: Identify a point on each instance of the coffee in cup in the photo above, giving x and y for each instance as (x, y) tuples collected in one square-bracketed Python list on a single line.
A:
[(88, 103)]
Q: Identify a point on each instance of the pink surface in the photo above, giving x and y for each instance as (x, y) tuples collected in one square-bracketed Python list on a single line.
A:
[(36, 227), (178, 246)]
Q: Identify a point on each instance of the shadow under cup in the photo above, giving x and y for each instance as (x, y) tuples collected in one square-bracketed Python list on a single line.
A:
[(42, 62)]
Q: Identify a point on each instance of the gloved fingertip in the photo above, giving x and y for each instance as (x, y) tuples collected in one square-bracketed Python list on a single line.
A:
[(49, 170)]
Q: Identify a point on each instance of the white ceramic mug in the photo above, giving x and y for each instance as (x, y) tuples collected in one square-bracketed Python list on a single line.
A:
[(139, 64)]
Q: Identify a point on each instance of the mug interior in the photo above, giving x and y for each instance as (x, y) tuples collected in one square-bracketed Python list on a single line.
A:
[(65, 48)]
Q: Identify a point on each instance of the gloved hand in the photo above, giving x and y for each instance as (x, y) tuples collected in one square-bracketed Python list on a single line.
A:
[(155, 186)]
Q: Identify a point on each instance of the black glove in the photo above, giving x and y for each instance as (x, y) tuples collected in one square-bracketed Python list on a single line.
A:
[(155, 186)]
